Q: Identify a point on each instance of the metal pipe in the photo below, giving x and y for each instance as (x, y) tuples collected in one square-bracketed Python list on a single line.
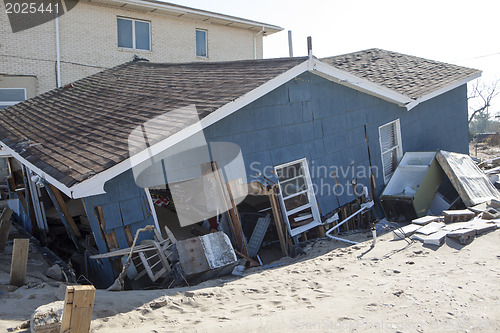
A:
[(364, 207), (255, 42), (58, 52), (290, 45)]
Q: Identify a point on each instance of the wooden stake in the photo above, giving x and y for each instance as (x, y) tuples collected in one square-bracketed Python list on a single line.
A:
[(19, 262), (77, 313), (5, 224)]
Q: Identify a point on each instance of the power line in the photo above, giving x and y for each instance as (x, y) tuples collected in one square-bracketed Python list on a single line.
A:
[(478, 57), (48, 60)]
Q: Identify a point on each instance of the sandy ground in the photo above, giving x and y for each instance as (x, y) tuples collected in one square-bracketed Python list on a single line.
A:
[(483, 151), (394, 287)]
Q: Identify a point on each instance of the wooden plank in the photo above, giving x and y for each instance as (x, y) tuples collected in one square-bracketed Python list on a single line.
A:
[(129, 236), (30, 210), (65, 210), (5, 224), (78, 306), (278, 221), (230, 207), (170, 235), (19, 262)]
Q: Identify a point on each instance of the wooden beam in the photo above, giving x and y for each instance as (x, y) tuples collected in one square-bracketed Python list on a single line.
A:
[(19, 262), (278, 221), (65, 210), (5, 224), (30, 210), (77, 312), (234, 219)]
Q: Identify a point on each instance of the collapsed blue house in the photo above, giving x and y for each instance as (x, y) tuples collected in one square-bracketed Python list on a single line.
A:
[(326, 126)]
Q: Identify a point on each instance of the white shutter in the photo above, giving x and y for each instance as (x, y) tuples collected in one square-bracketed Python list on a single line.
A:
[(388, 137), (390, 147)]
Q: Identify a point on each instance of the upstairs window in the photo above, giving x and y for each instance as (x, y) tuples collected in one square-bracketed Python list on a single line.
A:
[(201, 43), (11, 96), (134, 34), (391, 147)]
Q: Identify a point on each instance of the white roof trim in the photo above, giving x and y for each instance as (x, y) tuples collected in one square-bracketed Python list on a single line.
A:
[(181, 10), (95, 184), (339, 76), (443, 90), (63, 188)]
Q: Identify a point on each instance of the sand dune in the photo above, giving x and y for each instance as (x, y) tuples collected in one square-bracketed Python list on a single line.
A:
[(334, 287)]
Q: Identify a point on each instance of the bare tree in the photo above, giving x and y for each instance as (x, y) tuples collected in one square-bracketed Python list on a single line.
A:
[(480, 97)]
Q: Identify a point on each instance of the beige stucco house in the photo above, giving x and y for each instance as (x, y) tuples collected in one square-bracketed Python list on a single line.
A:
[(100, 34)]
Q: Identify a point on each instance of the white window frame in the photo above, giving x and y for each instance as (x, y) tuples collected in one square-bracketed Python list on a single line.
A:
[(133, 34), (312, 203), (206, 44), (9, 103), (398, 147)]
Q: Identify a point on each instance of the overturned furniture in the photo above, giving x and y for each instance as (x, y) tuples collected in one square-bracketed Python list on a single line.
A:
[(205, 257), (413, 188)]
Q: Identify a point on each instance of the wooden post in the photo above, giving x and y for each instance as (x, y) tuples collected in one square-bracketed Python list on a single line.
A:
[(19, 262), (5, 227), (230, 207), (278, 221), (77, 313)]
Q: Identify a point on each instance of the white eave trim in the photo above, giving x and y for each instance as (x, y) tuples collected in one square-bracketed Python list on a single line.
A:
[(63, 188), (443, 90), (344, 78), (207, 14)]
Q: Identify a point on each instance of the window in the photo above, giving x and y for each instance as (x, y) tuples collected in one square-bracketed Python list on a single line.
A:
[(391, 147), (133, 34), (201, 43), (297, 198), (11, 96)]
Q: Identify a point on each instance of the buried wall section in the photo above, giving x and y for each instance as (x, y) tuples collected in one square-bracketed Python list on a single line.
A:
[(114, 218)]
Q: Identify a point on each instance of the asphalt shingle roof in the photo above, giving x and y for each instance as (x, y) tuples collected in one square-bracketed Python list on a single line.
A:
[(408, 75), (78, 131)]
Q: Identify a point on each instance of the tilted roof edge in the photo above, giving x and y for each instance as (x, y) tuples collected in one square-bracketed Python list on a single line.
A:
[(95, 184)]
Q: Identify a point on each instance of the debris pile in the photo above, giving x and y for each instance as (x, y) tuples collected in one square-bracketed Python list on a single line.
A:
[(462, 211)]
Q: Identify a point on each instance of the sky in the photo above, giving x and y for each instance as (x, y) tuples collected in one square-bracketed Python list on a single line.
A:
[(460, 32)]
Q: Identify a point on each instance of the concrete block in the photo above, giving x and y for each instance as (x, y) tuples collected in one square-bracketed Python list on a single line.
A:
[(430, 228), (436, 238), (406, 231), (424, 220), (458, 215), (463, 236)]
